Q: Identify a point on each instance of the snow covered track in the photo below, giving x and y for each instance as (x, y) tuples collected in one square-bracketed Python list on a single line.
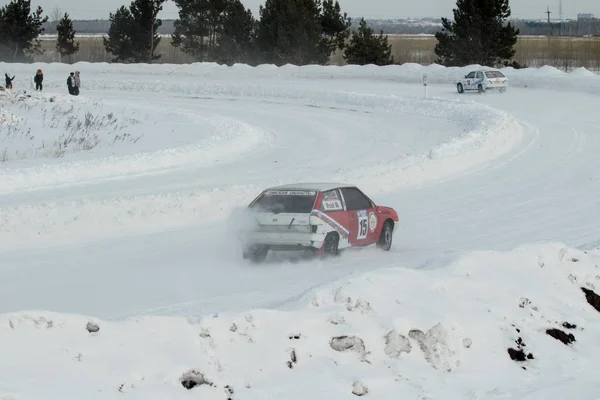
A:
[(333, 134), (118, 204)]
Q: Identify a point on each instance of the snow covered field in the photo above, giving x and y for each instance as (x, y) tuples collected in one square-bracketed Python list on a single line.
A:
[(118, 208)]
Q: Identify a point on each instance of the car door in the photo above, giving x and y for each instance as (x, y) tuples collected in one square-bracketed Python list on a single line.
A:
[(362, 217), (478, 80), (333, 207), (469, 80)]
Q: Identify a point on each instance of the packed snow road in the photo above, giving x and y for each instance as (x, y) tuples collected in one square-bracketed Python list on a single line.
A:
[(126, 237)]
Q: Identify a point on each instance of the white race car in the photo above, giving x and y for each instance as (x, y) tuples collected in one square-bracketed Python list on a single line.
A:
[(323, 218), (483, 80)]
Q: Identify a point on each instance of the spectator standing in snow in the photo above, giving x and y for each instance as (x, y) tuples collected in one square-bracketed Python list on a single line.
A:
[(38, 79), (71, 83), (77, 83), (8, 81)]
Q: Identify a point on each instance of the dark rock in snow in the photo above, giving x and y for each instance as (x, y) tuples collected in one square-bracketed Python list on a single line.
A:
[(92, 327), (194, 378), (560, 335), (592, 298)]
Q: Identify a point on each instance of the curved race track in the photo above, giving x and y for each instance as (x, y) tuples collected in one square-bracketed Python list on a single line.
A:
[(544, 188)]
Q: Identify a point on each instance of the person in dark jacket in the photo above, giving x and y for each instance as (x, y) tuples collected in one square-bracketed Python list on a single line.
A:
[(8, 81), (71, 83), (38, 79)]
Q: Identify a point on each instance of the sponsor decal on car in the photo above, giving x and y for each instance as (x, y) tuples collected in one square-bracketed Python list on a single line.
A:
[(372, 221), (330, 205), (333, 223), (290, 193)]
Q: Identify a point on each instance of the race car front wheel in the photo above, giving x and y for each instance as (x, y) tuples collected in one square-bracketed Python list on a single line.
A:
[(385, 240), (460, 88)]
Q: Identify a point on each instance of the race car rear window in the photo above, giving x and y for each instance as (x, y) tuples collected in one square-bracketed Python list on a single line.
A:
[(494, 74), (286, 201)]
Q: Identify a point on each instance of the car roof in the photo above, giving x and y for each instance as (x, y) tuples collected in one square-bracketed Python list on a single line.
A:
[(318, 186)]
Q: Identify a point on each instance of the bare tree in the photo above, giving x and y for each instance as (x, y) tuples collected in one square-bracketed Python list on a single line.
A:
[(56, 15)]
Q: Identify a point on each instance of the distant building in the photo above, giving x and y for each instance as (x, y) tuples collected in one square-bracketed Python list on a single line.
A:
[(584, 16)]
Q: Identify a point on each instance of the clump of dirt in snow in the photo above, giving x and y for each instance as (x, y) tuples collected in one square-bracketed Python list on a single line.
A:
[(361, 305), (344, 343), (435, 347), (193, 378), (518, 354), (560, 335), (592, 298), (293, 359), (359, 388), (396, 344), (92, 327), (568, 325)]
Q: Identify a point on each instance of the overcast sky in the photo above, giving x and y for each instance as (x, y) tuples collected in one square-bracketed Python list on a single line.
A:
[(99, 9)]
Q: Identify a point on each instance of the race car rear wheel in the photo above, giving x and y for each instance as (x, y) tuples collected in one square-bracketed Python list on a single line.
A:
[(257, 254), (330, 244), (460, 88), (385, 240)]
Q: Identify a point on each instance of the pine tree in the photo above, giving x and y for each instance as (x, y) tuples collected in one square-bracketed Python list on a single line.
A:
[(336, 27), (479, 34), (193, 28), (236, 41), (300, 32), (19, 31), (133, 33), (214, 30), (119, 42), (65, 44), (144, 31), (367, 48)]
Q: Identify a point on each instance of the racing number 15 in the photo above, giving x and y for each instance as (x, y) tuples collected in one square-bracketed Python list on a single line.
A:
[(362, 227)]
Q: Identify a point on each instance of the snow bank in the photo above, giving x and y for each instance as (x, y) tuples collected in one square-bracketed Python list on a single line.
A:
[(191, 77), (137, 139), (53, 126), (449, 333), (55, 223)]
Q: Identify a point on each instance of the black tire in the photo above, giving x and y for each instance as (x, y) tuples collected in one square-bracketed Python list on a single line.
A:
[(257, 254), (331, 245), (480, 89), (460, 88), (385, 240)]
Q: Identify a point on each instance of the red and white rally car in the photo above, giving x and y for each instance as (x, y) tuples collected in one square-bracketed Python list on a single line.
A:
[(322, 217)]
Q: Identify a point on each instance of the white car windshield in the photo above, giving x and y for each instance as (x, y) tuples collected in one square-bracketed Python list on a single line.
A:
[(286, 201), (494, 74)]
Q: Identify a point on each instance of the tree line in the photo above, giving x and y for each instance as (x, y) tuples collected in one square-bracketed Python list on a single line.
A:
[(298, 32)]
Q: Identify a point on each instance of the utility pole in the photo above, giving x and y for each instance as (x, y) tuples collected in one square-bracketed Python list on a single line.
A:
[(548, 12), (561, 18)]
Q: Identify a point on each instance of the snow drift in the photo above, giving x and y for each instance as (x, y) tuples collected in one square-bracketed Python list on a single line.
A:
[(490, 325)]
